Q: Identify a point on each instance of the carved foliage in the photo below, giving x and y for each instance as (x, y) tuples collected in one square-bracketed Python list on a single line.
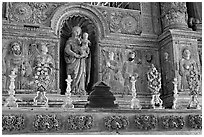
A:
[(145, 122), (195, 121), (13, 122), (30, 12), (122, 21), (116, 122), (79, 122), (172, 122), (46, 123)]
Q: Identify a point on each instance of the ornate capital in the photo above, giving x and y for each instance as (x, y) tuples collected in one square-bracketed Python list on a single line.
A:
[(174, 15)]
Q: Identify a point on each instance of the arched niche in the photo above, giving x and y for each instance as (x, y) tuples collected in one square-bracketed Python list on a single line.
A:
[(91, 21)]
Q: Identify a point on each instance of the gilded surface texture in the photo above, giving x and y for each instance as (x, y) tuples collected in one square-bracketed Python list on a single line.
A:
[(13, 122), (172, 122), (79, 122)]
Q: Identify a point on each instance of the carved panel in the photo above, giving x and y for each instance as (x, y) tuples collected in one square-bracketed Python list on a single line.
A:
[(24, 59), (46, 122), (112, 69), (195, 121), (116, 122), (184, 65), (122, 21), (172, 122), (13, 122), (79, 122), (145, 122), (30, 12)]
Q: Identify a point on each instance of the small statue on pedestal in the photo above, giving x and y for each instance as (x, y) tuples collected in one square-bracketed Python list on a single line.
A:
[(68, 100), (154, 84), (135, 103), (11, 100)]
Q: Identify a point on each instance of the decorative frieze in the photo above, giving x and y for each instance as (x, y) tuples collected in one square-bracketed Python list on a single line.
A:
[(116, 122), (30, 12), (122, 21), (79, 122), (195, 121), (145, 122), (172, 122), (46, 122), (13, 122)]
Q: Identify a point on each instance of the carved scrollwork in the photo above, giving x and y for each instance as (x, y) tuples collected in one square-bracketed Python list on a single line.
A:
[(30, 12), (13, 122), (145, 122), (116, 122), (195, 121), (172, 122), (79, 122), (124, 22), (46, 123)]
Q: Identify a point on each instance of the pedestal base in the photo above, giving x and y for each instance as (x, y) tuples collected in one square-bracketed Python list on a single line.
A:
[(135, 104)]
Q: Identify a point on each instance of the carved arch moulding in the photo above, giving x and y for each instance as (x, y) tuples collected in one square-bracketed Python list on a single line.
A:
[(64, 12)]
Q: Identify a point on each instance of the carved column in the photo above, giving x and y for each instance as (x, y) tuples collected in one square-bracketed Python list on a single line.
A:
[(173, 43), (173, 15)]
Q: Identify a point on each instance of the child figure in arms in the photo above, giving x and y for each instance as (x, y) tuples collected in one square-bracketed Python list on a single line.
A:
[(85, 45)]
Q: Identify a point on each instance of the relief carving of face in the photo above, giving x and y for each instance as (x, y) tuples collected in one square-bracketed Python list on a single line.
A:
[(131, 56), (76, 31), (186, 54), (166, 56), (16, 49)]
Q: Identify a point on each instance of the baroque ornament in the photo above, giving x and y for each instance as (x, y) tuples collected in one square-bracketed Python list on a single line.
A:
[(13, 122), (46, 123), (116, 122), (79, 122), (145, 122), (195, 121), (172, 122)]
